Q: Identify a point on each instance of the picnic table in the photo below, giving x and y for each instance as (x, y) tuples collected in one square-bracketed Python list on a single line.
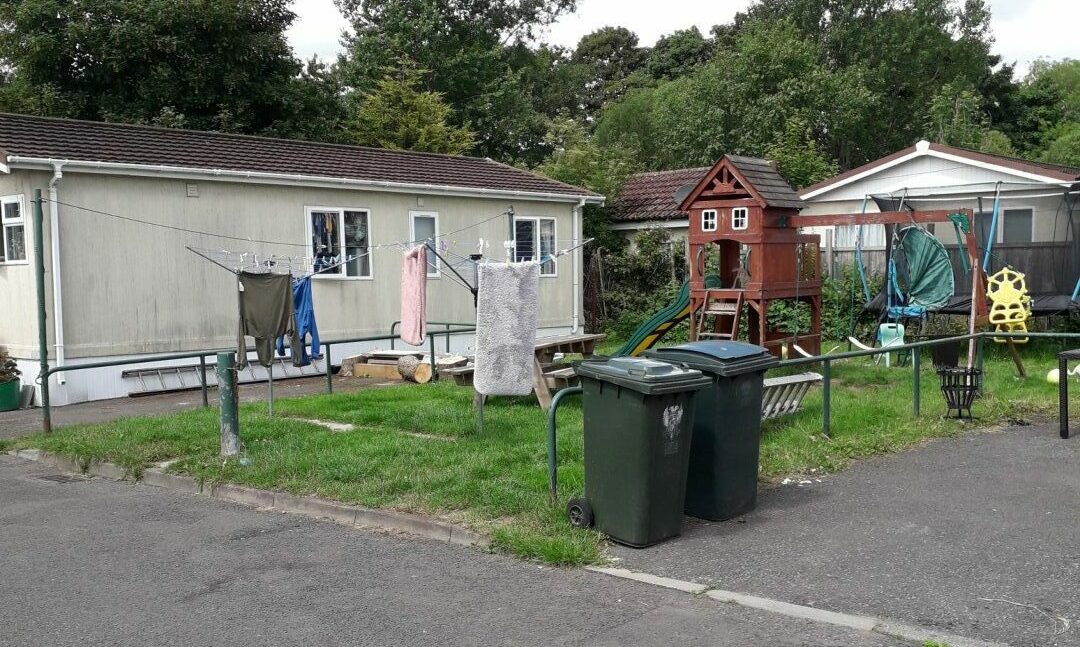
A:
[(547, 374)]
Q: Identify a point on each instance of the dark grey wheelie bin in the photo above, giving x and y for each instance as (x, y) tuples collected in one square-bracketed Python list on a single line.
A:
[(638, 422), (723, 473)]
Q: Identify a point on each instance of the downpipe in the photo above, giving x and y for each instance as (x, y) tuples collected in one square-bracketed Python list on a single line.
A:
[(54, 240), (575, 324)]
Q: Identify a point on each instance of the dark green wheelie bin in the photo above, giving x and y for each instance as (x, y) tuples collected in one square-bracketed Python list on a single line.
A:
[(638, 422), (722, 479)]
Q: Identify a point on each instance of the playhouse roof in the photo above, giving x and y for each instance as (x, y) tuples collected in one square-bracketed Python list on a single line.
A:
[(760, 178)]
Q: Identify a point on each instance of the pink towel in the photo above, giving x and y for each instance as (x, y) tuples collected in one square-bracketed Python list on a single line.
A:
[(414, 295)]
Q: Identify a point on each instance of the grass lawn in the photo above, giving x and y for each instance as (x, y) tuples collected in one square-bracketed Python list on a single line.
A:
[(415, 448)]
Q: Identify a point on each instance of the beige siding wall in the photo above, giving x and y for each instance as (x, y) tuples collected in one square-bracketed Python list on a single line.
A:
[(130, 288), (18, 292)]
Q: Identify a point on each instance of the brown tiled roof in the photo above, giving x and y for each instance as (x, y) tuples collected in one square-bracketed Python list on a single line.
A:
[(89, 141), (1054, 171), (651, 196), (767, 181)]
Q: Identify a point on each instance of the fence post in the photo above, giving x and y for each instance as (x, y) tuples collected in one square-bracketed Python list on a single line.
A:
[(228, 396), (43, 336), (826, 389), (915, 366), (329, 370), (447, 339), (393, 327), (202, 378), (1063, 396)]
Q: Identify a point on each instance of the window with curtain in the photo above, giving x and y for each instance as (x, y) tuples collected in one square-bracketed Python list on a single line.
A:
[(336, 235), (535, 239), (12, 230)]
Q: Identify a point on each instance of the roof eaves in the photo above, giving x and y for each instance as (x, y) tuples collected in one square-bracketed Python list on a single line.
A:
[(237, 175)]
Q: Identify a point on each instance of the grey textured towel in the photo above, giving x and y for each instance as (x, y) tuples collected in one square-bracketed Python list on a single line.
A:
[(507, 314)]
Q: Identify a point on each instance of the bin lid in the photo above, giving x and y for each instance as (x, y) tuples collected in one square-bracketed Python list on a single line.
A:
[(646, 376), (724, 358)]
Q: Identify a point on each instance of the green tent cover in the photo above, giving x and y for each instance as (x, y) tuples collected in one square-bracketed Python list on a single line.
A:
[(930, 281)]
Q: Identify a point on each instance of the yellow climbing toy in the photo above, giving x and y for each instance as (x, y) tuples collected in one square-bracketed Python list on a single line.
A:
[(1010, 304)]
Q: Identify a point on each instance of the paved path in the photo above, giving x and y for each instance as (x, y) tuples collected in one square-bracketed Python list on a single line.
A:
[(95, 562), (28, 421), (955, 535)]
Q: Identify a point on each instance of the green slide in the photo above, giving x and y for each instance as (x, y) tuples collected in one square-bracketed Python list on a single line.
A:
[(650, 332)]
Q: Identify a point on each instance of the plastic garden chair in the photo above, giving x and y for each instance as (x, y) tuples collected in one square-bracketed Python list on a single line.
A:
[(889, 334)]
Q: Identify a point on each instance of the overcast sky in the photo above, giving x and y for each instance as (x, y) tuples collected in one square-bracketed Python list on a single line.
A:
[(1024, 29)]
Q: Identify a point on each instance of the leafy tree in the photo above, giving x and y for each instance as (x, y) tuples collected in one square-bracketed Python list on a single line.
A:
[(678, 54), (609, 57), (955, 117), (1064, 145), (474, 51), (798, 157), (742, 101), (904, 51), (211, 65), (399, 115), (630, 124)]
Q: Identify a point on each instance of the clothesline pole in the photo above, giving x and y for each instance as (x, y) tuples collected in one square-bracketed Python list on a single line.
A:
[(270, 395)]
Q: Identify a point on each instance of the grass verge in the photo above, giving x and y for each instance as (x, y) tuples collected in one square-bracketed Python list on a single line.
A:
[(415, 448)]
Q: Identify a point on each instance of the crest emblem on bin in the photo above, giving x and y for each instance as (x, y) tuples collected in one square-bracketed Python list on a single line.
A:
[(672, 421)]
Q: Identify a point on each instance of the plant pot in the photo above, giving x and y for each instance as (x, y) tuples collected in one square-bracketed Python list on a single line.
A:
[(9, 395), (945, 355), (960, 386)]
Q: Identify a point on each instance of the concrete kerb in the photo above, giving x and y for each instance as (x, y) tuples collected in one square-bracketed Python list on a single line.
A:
[(386, 520), (903, 631)]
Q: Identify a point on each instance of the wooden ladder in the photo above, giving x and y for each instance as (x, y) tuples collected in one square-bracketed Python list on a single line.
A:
[(720, 307)]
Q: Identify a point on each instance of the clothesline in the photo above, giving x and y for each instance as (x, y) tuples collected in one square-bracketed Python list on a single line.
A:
[(399, 244), (974, 198)]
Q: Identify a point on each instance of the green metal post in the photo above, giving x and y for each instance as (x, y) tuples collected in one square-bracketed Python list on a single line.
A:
[(915, 366), (202, 378), (228, 396), (43, 335), (553, 465), (329, 370), (448, 339), (826, 391)]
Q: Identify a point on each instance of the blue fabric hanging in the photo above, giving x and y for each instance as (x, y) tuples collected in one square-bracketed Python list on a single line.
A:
[(305, 322)]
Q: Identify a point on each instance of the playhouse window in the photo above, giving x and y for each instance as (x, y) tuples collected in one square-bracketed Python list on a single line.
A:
[(534, 239), (12, 230), (708, 220), (740, 217), (337, 234)]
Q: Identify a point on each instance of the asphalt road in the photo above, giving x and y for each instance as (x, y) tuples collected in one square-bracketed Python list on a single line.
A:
[(92, 562), (976, 535)]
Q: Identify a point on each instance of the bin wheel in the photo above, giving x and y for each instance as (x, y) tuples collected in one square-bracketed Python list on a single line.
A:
[(580, 513)]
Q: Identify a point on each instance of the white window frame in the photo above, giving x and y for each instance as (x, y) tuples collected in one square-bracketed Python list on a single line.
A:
[(715, 219), (436, 271), (14, 222), (536, 220), (341, 241), (740, 211)]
